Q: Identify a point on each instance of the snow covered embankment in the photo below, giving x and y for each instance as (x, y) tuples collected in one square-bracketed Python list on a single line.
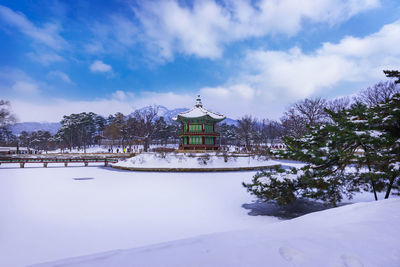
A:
[(196, 161), (362, 234)]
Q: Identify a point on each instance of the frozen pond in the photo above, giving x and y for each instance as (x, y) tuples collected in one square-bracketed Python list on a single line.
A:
[(56, 212)]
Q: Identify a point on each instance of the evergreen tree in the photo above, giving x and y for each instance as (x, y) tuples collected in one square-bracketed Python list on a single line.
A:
[(357, 151), (7, 119), (393, 74), (41, 140), (228, 133), (77, 130)]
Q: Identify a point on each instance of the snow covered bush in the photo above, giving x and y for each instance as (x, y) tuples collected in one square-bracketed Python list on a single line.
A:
[(161, 154), (204, 159)]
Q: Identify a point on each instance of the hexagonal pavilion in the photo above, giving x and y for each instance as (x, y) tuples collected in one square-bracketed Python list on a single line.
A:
[(198, 128)]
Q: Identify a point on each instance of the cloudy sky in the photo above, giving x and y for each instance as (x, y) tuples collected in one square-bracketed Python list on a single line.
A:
[(243, 57)]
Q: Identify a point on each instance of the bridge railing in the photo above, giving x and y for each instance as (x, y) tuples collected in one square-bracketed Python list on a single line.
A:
[(45, 161)]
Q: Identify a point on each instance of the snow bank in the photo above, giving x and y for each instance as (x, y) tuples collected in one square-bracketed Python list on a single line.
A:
[(363, 234), (180, 160)]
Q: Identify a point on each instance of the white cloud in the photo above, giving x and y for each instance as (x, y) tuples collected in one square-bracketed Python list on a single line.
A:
[(10, 75), (271, 80), (124, 30), (23, 87), (122, 95), (15, 83), (203, 28), (100, 66), (52, 110), (116, 35), (167, 99), (237, 100), (94, 47), (297, 74), (61, 75), (46, 58), (48, 34), (267, 81)]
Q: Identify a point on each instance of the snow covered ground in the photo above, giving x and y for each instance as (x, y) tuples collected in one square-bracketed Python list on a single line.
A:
[(362, 234), (200, 160), (90, 149), (48, 214), (52, 213)]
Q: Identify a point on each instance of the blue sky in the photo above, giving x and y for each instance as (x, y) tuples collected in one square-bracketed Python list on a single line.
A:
[(243, 57)]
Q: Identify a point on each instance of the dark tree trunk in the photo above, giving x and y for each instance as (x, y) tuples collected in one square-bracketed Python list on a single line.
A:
[(390, 186), (146, 145), (373, 187)]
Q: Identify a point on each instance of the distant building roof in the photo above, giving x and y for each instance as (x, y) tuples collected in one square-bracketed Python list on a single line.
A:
[(199, 111)]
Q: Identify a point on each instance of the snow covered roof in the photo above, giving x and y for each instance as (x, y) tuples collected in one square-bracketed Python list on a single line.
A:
[(199, 111)]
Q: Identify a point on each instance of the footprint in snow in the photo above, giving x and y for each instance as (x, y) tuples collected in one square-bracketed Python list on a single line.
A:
[(291, 254), (351, 261)]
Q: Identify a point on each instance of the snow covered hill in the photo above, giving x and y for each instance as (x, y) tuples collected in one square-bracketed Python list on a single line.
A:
[(362, 234)]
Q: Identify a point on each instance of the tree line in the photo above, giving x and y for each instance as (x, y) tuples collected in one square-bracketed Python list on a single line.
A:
[(86, 129)]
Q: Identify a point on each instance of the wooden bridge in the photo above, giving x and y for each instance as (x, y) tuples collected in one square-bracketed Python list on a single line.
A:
[(23, 160)]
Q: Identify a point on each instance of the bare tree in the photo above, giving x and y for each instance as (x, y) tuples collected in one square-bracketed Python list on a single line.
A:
[(305, 112), (338, 104), (293, 124), (246, 129), (145, 124), (380, 92), (271, 131), (312, 110)]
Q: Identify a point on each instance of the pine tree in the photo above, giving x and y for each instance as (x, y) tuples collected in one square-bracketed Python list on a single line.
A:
[(393, 74), (357, 151)]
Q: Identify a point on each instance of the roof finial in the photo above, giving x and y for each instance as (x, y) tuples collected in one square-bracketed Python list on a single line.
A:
[(198, 102)]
